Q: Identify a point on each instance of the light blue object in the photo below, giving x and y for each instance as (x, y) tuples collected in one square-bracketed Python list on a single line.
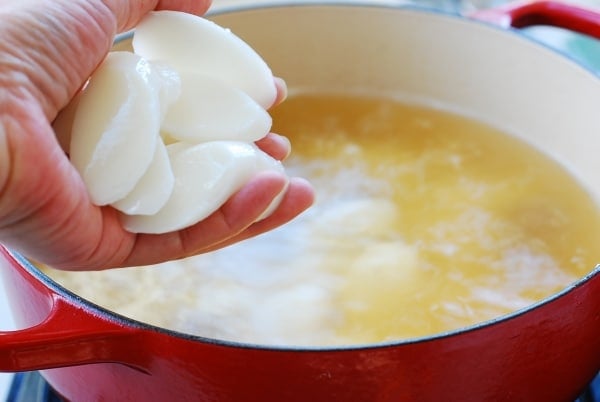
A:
[(581, 48)]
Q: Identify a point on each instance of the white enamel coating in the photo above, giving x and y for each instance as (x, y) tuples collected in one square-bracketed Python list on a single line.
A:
[(498, 77)]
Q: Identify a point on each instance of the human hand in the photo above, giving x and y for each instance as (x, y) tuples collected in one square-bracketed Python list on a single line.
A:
[(49, 48)]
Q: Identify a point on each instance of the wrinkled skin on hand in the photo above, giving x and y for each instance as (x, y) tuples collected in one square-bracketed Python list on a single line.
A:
[(48, 50)]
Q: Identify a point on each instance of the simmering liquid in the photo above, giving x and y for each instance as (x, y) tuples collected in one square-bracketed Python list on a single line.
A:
[(425, 222)]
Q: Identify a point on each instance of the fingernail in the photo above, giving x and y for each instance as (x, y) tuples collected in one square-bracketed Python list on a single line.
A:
[(287, 143), (282, 90)]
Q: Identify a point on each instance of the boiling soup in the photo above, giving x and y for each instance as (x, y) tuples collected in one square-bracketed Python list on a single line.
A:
[(425, 222)]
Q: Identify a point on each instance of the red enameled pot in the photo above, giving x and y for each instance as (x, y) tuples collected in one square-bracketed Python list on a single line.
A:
[(547, 352)]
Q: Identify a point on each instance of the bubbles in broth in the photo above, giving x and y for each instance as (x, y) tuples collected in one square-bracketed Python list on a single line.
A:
[(425, 222)]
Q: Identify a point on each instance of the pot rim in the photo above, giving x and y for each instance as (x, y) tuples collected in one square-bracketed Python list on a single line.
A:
[(107, 314), (456, 15), (112, 316)]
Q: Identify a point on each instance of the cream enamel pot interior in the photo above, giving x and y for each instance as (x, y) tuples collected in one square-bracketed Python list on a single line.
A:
[(547, 352)]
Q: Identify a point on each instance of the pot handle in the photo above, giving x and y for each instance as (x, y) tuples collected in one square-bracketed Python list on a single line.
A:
[(67, 337), (561, 15)]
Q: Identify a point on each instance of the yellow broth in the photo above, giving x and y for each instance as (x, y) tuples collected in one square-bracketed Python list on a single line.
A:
[(468, 223), (425, 221)]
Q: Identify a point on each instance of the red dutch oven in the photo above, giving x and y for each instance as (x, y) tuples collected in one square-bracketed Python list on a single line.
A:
[(547, 352)]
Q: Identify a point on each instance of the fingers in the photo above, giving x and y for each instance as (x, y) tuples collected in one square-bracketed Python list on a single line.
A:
[(235, 216), (233, 222), (281, 90), (299, 197), (276, 145)]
